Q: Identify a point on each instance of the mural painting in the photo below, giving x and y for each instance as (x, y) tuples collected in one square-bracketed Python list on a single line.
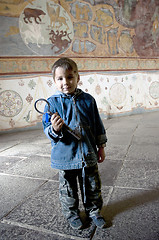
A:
[(46, 29), (102, 36), (85, 29), (116, 94)]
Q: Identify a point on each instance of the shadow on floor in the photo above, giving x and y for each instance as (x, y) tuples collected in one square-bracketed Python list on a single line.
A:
[(115, 208)]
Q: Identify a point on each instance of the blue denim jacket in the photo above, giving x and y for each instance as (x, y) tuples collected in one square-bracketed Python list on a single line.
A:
[(80, 113)]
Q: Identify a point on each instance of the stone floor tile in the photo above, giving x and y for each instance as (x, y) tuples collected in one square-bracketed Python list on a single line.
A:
[(131, 214), (139, 174), (150, 131), (109, 171), (123, 130), (14, 232), (34, 166), (43, 210), (27, 149), (119, 139), (23, 135), (7, 145), (145, 140), (8, 162), (115, 152), (146, 152), (13, 190)]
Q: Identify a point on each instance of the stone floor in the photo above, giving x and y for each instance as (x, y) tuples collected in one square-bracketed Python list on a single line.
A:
[(29, 204)]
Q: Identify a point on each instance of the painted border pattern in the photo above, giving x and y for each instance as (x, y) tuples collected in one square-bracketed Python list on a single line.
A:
[(21, 65), (116, 94)]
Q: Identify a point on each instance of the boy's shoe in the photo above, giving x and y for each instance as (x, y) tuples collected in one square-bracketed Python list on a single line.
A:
[(98, 221), (75, 222)]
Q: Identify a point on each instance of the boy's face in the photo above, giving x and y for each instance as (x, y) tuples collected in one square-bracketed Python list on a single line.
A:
[(66, 80)]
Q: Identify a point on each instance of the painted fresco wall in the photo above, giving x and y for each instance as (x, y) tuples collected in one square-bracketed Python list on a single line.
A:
[(116, 94), (115, 44)]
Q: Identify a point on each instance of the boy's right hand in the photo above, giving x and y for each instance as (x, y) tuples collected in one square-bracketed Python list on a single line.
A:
[(57, 122)]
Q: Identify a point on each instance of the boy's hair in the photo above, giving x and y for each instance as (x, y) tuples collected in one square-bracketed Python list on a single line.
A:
[(66, 63)]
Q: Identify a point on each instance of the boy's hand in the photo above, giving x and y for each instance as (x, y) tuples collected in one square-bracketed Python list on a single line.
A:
[(101, 154), (57, 122)]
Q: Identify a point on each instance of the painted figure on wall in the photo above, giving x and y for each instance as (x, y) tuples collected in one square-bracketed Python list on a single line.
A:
[(46, 28)]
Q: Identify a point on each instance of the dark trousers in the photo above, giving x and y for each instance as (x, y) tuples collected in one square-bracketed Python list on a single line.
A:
[(68, 191)]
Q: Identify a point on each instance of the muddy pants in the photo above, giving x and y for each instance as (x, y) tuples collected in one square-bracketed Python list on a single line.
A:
[(68, 191)]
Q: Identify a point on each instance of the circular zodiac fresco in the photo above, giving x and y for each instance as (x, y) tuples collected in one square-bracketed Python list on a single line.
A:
[(117, 93), (154, 90), (46, 28), (11, 103)]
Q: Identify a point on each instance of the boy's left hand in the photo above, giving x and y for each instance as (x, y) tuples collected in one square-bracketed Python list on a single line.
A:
[(101, 154)]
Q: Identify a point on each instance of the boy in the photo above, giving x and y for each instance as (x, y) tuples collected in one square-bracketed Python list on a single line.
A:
[(75, 158)]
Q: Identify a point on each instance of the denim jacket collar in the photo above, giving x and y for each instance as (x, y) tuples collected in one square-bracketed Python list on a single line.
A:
[(61, 94)]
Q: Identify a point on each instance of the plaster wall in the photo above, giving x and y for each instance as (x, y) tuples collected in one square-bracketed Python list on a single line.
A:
[(114, 42), (116, 94)]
